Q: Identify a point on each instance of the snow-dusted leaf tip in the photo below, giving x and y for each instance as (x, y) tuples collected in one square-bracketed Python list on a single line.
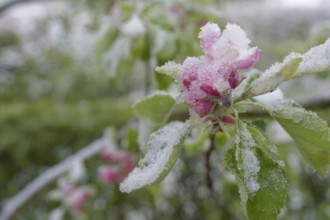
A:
[(171, 69), (295, 65), (164, 147)]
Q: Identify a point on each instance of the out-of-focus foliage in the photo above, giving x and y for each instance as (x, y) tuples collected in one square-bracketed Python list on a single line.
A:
[(79, 72)]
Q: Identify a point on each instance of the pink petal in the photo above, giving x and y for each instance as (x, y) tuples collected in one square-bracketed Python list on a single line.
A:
[(248, 61), (190, 70), (108, 174), (209, 90), (202, 107), (209, 35), (106, 154), (233, 79)]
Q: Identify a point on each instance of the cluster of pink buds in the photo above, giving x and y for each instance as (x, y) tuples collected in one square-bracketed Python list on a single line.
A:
[(75, 197), (121, 165), (209, 80)]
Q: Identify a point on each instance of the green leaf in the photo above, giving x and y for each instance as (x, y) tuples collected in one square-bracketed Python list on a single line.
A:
[(315, 60), (261, 181), (152, 111), (156, 107), (274, 76), (295, 65), (308, 130), (105, 43), (171, 69), (164, 147)]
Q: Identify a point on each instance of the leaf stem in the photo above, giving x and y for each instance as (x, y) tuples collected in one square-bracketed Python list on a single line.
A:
[(209, 181)]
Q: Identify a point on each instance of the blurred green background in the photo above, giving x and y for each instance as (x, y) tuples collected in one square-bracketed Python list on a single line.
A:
[(69, 70)]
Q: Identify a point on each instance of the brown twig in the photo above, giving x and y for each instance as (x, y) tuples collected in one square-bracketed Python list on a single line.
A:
[(209, 181), (48, 177), (13, 3)]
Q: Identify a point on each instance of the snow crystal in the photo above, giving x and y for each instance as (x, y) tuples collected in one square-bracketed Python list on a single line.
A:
[(317, 58), (160, 148), (250, 166)]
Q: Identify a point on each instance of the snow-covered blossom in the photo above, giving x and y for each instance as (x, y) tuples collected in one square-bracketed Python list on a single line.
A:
[(209, 79)]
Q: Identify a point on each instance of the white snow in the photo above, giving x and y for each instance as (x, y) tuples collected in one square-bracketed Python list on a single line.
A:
[(250, 166), (270, 98), (160, 148), (133, 27), (274, 76), (315, 60), (171, 69)]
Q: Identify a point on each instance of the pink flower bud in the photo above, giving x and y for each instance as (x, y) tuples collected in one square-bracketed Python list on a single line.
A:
[(108, 174), (228, 120), (106, 154), (77, 198), (214, 75)]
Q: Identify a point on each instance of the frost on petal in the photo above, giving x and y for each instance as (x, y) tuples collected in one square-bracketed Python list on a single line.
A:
[(190, 70), (248, 60), (236, 36), (163, 148), (207, 78), (209, 35), (202, 107)]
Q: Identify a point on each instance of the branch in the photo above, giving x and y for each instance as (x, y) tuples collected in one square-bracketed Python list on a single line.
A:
[(209, 182), (48, 177), (10, 4)]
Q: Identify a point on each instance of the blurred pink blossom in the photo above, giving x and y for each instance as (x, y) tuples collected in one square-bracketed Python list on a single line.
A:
[(121, 165), (75, 197), (108, 174), (209, 79)]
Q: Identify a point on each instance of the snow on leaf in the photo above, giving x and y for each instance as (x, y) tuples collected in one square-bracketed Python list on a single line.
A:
[(308, 130), (248, 163), (267, 201), (275, 75), (295, 65), (164, 146), (171, 69), (152, 112), (317, 59), (157, 107)]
